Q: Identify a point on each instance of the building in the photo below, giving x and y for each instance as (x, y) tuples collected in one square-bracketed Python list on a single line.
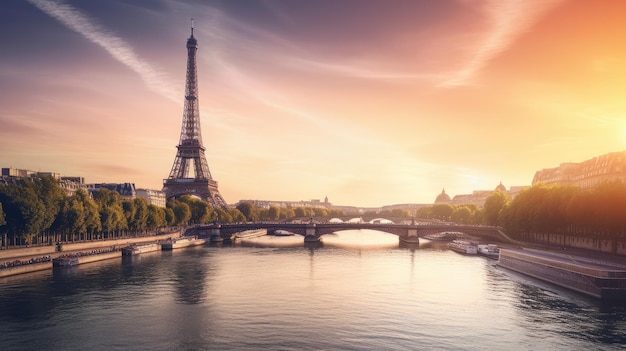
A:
[(153, 197), (586, 174), (69, 184), (477, 197), (443, 198), (126, 190)]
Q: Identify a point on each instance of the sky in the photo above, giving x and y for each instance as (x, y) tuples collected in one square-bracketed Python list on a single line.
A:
[(367, 102)]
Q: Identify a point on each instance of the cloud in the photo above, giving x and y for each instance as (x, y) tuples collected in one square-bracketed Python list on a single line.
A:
[(356, 71), (115, 46), (509, 19)]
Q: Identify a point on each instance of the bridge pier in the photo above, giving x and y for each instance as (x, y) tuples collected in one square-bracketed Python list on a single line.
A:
[(411, 237), (310, 233), (215, 234)]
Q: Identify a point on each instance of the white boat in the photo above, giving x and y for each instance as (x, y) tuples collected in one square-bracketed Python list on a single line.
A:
[(489, 250), (466, 247), (137, 249), (252, 233), (182, 242), (444, 236)]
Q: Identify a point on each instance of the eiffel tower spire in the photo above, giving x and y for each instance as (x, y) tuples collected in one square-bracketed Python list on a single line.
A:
[(190, 154)]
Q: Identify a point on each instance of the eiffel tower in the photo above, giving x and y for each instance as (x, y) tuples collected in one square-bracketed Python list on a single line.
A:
[(190, 154)]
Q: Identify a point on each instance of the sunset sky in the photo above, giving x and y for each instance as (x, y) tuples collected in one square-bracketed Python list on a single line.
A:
[(368, 102)]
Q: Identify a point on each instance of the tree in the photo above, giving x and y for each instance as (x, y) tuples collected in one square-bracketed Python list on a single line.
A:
[(71, 218), (25, 212), (3, 219), (273, 213), (92, 214), (140, 220), (236, 215), (248, 210), (170, 216), (182, 212), (424, 212), (156, 217), (493, 207), (51, 195), (112, 215), (223, 216), (442, 211), (461, 214)]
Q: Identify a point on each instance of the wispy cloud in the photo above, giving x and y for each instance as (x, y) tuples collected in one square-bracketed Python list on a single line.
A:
[(356, 71), (120, 50), (509, 19)]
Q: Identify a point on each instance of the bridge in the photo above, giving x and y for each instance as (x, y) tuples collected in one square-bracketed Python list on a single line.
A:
[(312, 231)]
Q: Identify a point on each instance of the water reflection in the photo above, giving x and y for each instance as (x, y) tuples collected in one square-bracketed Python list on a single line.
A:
[(361, 239), (191, 275), (348, 239), (541, 304)]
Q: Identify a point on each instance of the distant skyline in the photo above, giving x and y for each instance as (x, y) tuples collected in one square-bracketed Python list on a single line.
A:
[(368, 102)]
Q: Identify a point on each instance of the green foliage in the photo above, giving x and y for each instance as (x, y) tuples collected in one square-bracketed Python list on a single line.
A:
[(462, 215), (248, 210), (112, 216), (273, 213), (223, 216), (201, 211), (236, 215), (494, 205), (442, 211), (51, 195), (26, 215), (92, 214), (181, 210), (3, 219), (156, 217)]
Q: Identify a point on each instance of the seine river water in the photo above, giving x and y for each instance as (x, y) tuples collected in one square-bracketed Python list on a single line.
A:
[(360, 291)]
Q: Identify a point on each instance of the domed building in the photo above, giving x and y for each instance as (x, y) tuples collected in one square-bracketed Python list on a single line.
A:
[(443, 198), (500, 187)]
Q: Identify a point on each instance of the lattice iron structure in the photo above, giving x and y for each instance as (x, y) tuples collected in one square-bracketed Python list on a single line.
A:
[(190, 154)]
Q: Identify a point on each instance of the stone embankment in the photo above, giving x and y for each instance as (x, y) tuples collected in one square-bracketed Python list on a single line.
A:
[(31, 259)]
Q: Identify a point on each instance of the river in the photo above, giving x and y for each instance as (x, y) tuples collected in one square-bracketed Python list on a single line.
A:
[(360, 291)]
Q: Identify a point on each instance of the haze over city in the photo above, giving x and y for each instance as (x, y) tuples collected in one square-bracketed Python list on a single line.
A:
[(366, 102)]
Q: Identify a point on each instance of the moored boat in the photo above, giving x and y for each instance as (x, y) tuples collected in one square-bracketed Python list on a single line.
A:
[(76, 258), (444, 236), (489, 250), (182, 242), (248, 234), (137, 249), (592, 276), (466, 247), (65, 262)]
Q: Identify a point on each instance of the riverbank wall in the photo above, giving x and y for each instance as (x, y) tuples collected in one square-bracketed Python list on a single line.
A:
[(585, 243), (26, 268), (591, 276), (52, 250)]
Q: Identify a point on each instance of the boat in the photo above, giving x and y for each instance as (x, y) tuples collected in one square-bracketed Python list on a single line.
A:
[(592, 276), (137, 249), (131, 250), (466, 247), (74, 259), (182, 242), (65, 262), (444, 236), (489, 251), (248, 234)]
